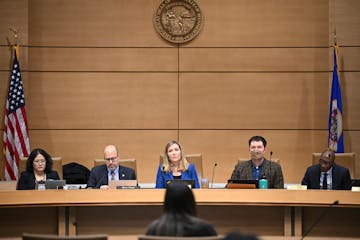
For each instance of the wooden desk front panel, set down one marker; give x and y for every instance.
(130, 220)
(128, 212)
(15, 221)
(340, 222)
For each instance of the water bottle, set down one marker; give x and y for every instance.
(41, 185)
(263, 183)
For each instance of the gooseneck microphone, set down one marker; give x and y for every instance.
(269, 178)
(212, 177)
(101, 180)
(336, 202)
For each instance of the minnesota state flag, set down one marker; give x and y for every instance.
(335, 138)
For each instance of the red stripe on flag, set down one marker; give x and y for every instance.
(19, 133)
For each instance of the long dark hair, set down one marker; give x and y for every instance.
(32, 156)
(179, 199)
(179, 212)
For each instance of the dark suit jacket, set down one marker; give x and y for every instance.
(340, 177)
(99, 175)
(27, 179)
(243, 171)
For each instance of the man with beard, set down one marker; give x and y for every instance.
(258, 167)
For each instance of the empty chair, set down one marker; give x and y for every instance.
(29, 236)
(8, 185)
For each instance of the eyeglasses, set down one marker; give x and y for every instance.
(111, 159)
(40, 161)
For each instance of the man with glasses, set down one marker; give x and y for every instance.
(100, 176)
(327, 175)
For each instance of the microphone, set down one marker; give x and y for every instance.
(101, 179)
(271, 153)
(336, 202)
(212, 177)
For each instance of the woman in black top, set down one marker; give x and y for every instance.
(179, 217)
(38, 168)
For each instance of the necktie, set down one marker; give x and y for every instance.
(112, 175)
(324, 185)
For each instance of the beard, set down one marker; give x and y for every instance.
(256, 155)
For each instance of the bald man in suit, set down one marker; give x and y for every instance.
(327, 175)
(111, 170)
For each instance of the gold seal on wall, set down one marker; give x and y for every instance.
(178, 21)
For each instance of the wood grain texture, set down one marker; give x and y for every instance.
(110, 23)
(14, 14)
(103, 101)
(103, 59)
(345, 19)
(263, 23)
(254, 59)
(253, 100)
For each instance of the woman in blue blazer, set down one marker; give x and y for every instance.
(175, 166)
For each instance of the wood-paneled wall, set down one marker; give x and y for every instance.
(97, 73)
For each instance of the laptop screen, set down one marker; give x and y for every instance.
(188, 182)
(55, 184)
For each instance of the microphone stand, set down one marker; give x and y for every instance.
(212, 178)
(336, 202)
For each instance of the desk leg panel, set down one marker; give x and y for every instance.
(116, 220)
(337, 221)
(259, 220)
(15, 221)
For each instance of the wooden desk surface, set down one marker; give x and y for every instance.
(250, 197)
(287, 212)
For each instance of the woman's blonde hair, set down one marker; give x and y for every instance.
(166, 164)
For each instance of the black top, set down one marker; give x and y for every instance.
(27, 179)
(182, 226)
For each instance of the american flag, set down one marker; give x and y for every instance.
(15, 139)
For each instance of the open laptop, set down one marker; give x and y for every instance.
(55, 184)
(189, 182)
(242, 183)
(122, 184)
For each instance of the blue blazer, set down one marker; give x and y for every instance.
(162, 176)
(99, 175)
(340, 177)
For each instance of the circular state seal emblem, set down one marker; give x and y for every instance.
(178, 21)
